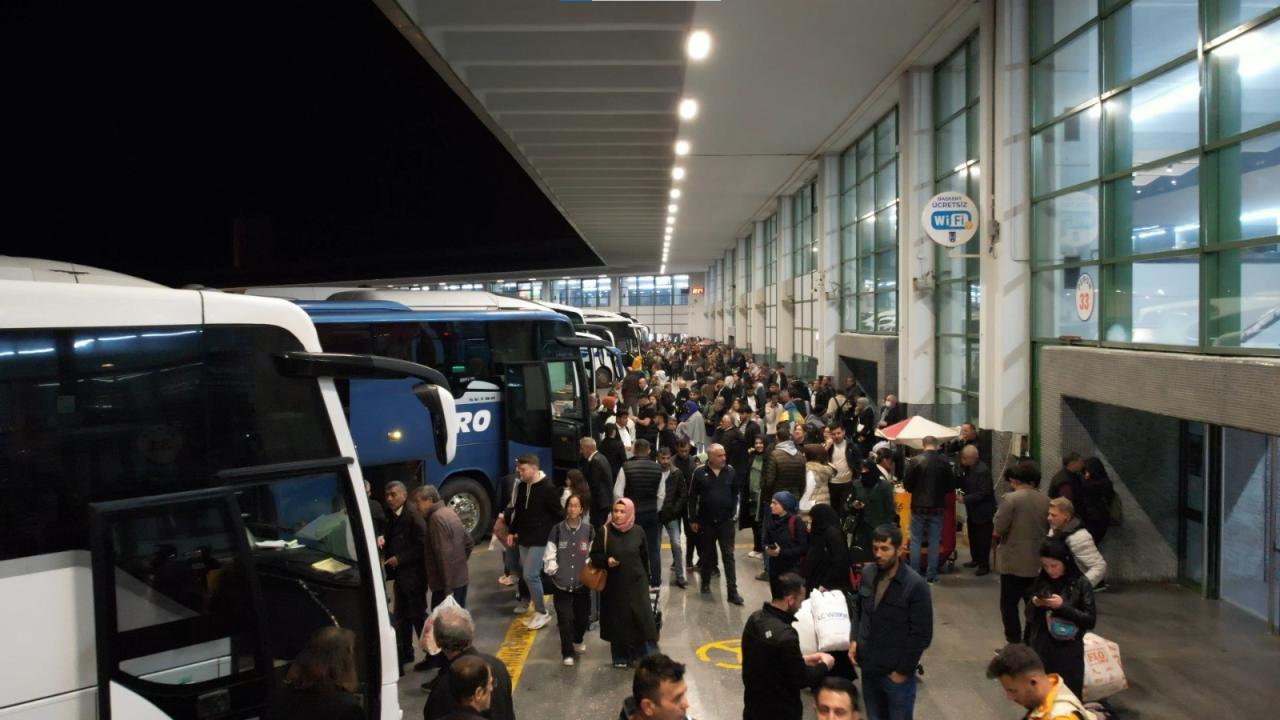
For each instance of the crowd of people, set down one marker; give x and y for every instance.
(699, 442)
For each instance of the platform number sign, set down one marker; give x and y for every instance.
(1084, 297)
(950, 219)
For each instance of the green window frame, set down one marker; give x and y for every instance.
(770, 355)
(869, 248)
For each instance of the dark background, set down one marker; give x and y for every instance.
(236, 143)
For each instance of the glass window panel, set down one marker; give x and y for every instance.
(866, 275)
(951, 307)
(848, 207)
(949, 86)
(866, 312)
(849, 313)
(1052, 21)
(971, 69)
(1227, 14)
(1156, 210)
(1065, 229)
(887, 139)
(1246, 83)
(952, 264)
(847, 248)
(1146, 34)
(866, 197)
(1154, 302)
(951, 407)
(951, 361)
(1066, 78)
(974, 298)
(886, 225)
(866, 235)
(1159, 118)
(973, 368)
(951, 146)
(1057, 314)
(866, 159)
(887, 312)
(848, 170)
(887, 184)
(1249, 189)
(886, 271)
(1246, 309)
(1066, 153)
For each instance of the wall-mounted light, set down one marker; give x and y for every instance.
(395, 436)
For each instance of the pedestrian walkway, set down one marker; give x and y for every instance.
(1186, 657)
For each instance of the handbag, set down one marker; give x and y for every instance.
(592, 577)
(1060, 629)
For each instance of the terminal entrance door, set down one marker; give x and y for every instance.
(1193, 474)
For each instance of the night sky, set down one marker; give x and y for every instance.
(234, 143)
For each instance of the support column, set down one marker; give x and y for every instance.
(786, 287)
(758, 316)
(916, 353)
(827, 311)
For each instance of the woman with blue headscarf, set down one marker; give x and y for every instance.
(786, 539)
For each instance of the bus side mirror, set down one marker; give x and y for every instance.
(444, 421)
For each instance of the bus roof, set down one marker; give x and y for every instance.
(574, 314)
(382, 311)
(58, 271)
(442, 299)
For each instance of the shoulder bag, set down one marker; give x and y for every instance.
(592, 577)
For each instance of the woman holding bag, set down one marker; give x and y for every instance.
(568, 547)
(1061, 612)
(626, 619)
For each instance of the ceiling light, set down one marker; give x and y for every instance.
(675, 193)
(699, 45)
(688, 108)
(677, 172)
(672, 208)
(662, 270)
(671, 220)
(682, 147)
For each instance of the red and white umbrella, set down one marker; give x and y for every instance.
(911, 431)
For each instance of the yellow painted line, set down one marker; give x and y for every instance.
(515, 647)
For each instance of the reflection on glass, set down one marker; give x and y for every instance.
(886, 223)
(1157, 209)
(866, 312)
(1246, 82)
(1146, 34)
(1066, 78)
(1057, 312)
(866, 274)
(1154, 302)
(1249, 189)
(866, 234)
(886, 271)
(848, 207)
(1065, 229)
(951, 361)
(887, 184)
(1159, 118)
(1052, 21)
(951, 407)
(951, 307)
(1224, 16)
(951, 146)
(887, 139)
(1066, 153)
(949, 86)
(866, 197)
(1246, 311)
(887, 312)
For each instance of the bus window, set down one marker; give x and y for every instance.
(352, 338)
(512, 341)
(458, 349)
(565, 396)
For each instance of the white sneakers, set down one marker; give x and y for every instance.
(567, 662)
(580, 648)
(754, 554)
(538, 620)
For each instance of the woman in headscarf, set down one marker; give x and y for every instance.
(826, 565)
(1060, 613)
(870, 504)
(786, 540)
(626, 619)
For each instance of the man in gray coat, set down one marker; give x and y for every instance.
(1020, 526)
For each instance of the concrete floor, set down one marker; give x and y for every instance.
(1185, 657)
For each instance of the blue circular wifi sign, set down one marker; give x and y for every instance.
(950, 219)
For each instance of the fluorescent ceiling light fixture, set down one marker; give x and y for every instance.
(671, 220)
(682, 147)
(675, 193)
(698, 46)
(672, 208)
(688, 108)
(677, 172)
(662, 270)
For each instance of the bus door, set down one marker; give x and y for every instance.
(181, 629)
(526, 402)
(568, 410)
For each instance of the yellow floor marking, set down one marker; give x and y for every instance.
(515, 647)
(725, 654)
(748, 546)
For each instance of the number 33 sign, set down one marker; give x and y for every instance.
(1084, 297)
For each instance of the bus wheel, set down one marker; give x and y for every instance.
(470, 501)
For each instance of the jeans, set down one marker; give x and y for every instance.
(713, 534)
(888, 700)
(673, 535)
(926, 524)
(572, 611)
(631, 653)
(531, 564)
(511, 566)
(1013, 590)
(653, 538)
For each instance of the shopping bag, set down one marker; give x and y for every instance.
(804, 628)
(830, 620)
(428, 639)
(1103, 673)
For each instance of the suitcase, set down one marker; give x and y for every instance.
(947, 553)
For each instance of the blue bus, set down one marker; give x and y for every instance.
(516, 371)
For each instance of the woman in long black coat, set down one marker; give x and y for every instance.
(1061, 611)
(626, 618)
(827, 563)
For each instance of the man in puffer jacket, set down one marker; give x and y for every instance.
(1064, 524)
(783, 467)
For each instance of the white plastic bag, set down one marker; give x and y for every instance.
(830, 620)
(1103, 673)
(428, 639)
(806, 500)
(804, 628)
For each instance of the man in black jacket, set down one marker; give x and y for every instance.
(774, 673)
(687, 463)
(534, 512)
(974, 479)
(406, 540)
(640, 480)
(865, 427)
(892, 617)
(673, 496)
(595, 467)
(928, 479)
(713, 505)
(455, 633)
(735, 447)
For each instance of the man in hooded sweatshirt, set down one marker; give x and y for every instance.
(535, 511)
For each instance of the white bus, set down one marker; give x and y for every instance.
(182, 508)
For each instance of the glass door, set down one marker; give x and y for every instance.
(1248, 472)
(1191, 504)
